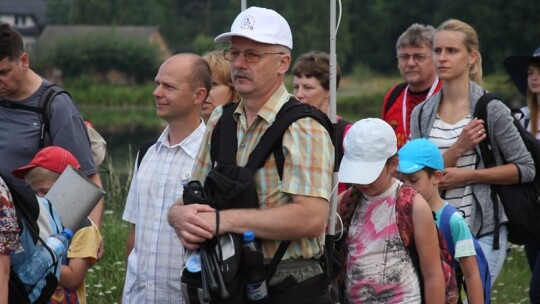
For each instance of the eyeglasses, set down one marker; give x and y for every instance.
(250, 56)
(418, 58)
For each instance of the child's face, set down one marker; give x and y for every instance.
(383, 182)
(422, 181)
(42, 186)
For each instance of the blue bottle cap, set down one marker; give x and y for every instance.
(249, 235)
(193, 263)
(68, 233)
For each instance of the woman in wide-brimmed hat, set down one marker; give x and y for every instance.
(525, 72)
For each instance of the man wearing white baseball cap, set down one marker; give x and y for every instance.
(293, 207)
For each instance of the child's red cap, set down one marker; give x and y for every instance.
(53, 158)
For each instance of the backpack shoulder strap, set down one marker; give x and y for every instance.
(393, 96)
(339, 129)
(488, 156)
(224, 144)
(26, 207)
(446, 230)
(45, 104)
(143, 149)
(223, 148)
(480, 111)
(272, 138)
(404, 197)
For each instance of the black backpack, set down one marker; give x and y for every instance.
(29, 214)
(228, 183)
(393, 96)
(521, 201)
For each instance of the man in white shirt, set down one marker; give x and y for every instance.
(155, 254)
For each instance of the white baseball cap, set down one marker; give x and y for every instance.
(261, 25)
(368, 144)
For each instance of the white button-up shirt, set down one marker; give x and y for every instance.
(154, 265)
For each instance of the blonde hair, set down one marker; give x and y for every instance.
(532, 103)
(471, 43)
(221, 69)
(38, 174)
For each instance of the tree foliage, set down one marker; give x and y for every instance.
(101, 54)
(366, 36)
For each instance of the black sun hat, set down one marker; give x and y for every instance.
(517, 65)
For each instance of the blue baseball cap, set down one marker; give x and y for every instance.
(418, 154)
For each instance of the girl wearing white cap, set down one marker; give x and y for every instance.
(378, 265)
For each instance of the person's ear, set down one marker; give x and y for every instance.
(437, 177)
(200, 95)
(284, 63)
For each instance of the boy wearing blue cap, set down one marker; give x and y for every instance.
(421, 165)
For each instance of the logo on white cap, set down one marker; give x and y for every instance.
(248, 23)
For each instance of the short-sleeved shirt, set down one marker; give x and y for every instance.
(155, 264)
(9, 228)
(309, 160)
(84, 245)
(67, 130)
(461, 234)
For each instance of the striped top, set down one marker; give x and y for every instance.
(307, 171)
(445, 135)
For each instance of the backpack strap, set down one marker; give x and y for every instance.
(45, 104)
(223, 148)
(488, 156)
(43, 109)
(393, 96)
(143, 149)
(446, 230)
(339, 132)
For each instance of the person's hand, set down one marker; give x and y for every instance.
(454, 177)
(100, 251)
(190, 224)
(471, 135)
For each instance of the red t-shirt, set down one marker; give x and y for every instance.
(394, 116)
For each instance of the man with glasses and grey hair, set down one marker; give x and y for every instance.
(294, 207)
(416, 66)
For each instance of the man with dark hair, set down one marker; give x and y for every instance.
(415, 64)
(155, 254)
(21, 90)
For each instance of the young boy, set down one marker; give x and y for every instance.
(421, 165)
(41, 173)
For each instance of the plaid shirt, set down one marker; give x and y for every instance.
(154, 265)
(309, 160)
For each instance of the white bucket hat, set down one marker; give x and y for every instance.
(261, 25)
(368, 144)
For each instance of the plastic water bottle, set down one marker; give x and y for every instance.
(253, 269)
(35, 267)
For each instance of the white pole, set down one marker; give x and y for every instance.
(243, 5)
(333, 116)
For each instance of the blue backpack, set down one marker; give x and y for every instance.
(37, 219)
(485, 276)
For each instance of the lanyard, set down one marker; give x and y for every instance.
(404, 106)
